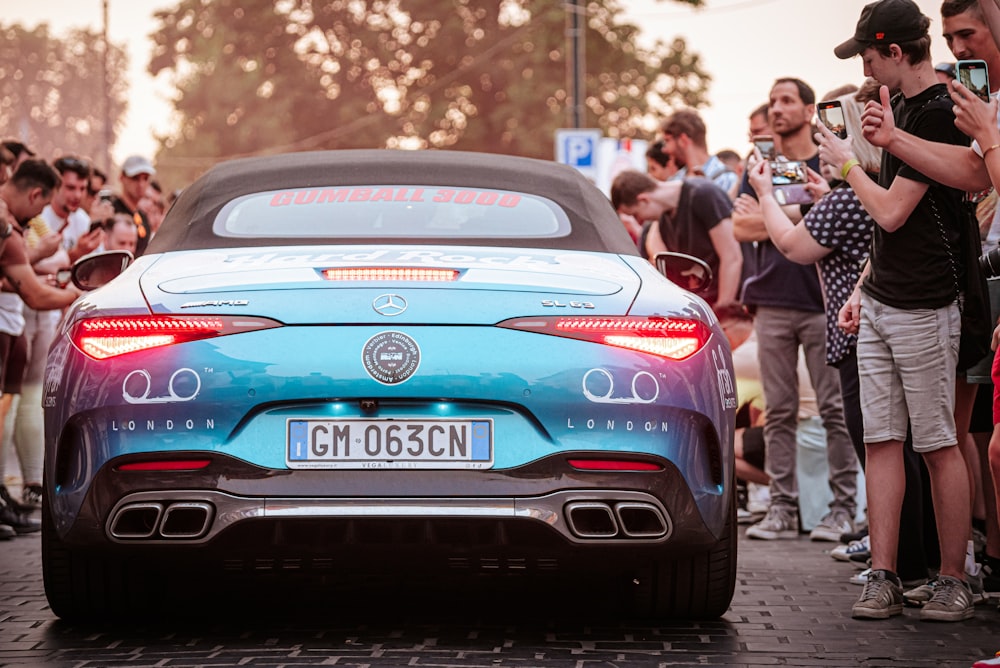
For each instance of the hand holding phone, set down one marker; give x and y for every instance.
(789, 178)
(765, 146)
(973, 75)
(831, 114)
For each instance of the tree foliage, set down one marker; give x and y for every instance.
(52, 95)
(256, 76)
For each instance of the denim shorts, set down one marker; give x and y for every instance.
(906, 368)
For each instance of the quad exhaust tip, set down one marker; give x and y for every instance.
(624, 519)
(179, 520)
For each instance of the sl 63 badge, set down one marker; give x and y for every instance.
(558, 304)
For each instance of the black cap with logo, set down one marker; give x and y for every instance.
(884, 22)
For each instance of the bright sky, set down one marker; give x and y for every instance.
(744, 44)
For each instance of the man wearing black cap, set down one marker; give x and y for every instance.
(906, 313)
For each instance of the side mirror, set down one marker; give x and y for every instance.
(687, 271)
(94, 271)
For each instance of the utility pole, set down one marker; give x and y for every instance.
(106, 89)
(576, 29)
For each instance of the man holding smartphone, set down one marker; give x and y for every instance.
(789, 315)
(905, 312)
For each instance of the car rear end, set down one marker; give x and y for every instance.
(354, 409)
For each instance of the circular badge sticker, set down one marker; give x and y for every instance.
(390, 357)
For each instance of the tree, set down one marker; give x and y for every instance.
(52, 95)
(256, 76)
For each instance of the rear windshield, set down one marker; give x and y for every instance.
(422, 212)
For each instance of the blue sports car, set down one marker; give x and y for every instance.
(349, 363)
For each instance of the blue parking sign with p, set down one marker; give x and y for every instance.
(577, 148)
(580, 151)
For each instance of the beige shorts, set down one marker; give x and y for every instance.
(906, 369)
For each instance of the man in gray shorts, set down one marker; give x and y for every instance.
(905, 310)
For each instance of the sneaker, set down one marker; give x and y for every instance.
(833, 524)
(950, 602)
(917, 596)
(6, 498)
(858, 547)
(861, 577)
(758, 498)
(7, 532)
(744, 516)
(779, 522)
(848, 538)
(31, 496)
(881, 599)
(986, 663)
(19, 521)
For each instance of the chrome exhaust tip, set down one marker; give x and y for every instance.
(188, 519)
(591, 519)
(640, 520)
(136, 520)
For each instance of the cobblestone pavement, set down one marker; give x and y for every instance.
(792, 608)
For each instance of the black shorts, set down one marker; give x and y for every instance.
(13, 362)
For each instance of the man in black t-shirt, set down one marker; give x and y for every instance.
(905, 310)
(689, 216)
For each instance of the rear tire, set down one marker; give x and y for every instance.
(82, 585)
(698, 587)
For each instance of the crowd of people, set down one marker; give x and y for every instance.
(52, 214)
(845, 312)
(855, 303)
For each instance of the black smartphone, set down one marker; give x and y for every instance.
(765, 146)
(831, 114)
(973, 75)
(95, 225)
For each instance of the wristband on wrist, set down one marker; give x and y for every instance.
(990, 149)
(852, 163)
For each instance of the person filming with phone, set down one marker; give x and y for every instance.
(905, 314)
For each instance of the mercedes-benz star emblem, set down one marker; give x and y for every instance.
(389, 305)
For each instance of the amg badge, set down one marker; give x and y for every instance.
(390, 357)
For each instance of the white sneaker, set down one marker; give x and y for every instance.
(861, 578)
(758, 498)
(844, 552)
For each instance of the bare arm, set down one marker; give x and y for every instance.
(35, 293)
(889, 208)
(792, 240)
(730, 261)
(949, 164)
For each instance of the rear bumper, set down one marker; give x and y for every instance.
(545, 510)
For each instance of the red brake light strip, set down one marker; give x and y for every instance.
(390, 274)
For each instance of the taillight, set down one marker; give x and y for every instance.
(612, 465)
(671, 338)
(166, 465)
(390, 274)
(106, 337)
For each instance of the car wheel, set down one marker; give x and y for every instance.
(82, 585)
(697, 587)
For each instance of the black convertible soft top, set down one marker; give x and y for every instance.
(595, 225)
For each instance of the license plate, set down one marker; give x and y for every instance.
(397, 444)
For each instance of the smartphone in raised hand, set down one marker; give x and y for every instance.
(831, 114)
(973, 75)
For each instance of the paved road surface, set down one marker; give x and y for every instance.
(792, 608)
